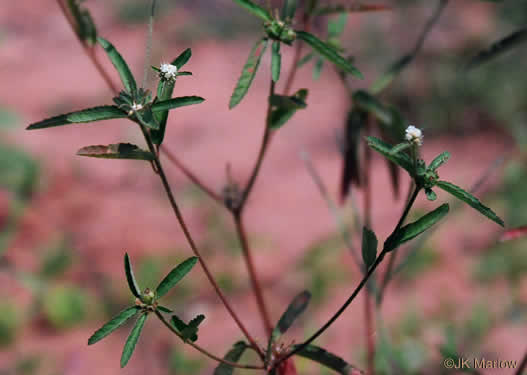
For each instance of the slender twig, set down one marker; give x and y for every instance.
(191, 242)
(522, 367)
(359, 287)
(204, 351)
(190, 175)
(255, 283)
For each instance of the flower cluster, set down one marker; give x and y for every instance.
(414, 135)
(168, 72)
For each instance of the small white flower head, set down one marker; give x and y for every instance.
(168, 72)
(134, 108)
(414, 135)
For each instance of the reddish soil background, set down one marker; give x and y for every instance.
(109, 207)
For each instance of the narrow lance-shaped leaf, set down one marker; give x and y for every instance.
(304, 60)
(336, 27)
(233, 355)
(147, 118)
(255, 9)
(176, 103)
(113, 324)
(369, 247)
(116, 151)
(385, 149)
(120, 65)
(414, 229)
(107, 112)
(249, 71)
(471, 200)
(175, 276)
(128, 270)
(327, 359)
(131, 342)
(294, 310)
(329, 53)
(439, 160)
(289, 9)
(350, 150)
(164, 92)
(182, 59)
(84, 25)
(499, 48)
(276, 61)
(393, 70)
(190, 332)
(164, 309)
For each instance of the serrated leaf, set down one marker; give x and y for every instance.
(412, 230)
(176, 103)
(255, 9)
(175, 276)
(113, 324)
(385, 149)
(107, 112)
(469, 199)
(130, 278)
(131, 342)
(116, 151)
(293, 311)
(190, 332)
(289, 9)
(120, 65)
(400, 147)
(146, 118)
(332, 9)
(350, 150)
(233, 355)
(498, 48)
(83, 22)
(182, 59)
(327, 359)
(329, 53)
(164, 309)
(249, 71)
(276, 61)
(283, 112)
(439, 160)
(369, 247)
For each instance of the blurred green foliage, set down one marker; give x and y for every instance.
(65, 306)
(10, 322)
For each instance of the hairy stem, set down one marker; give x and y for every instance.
(191, 242)
(204, 351)
(359, 287)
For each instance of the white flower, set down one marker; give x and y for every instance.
(168, 72)
(414, 135)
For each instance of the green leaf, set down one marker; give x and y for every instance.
(83, 22)
(276, 61)
(293, 311)
(304, 60)
(430, 195)
(469, 199)
(499, 48)
(146, 118)
(287, 108)
(439, 160)
(351, 172)
(255, 9)
(233, 355)
(176, 103)
(400, 147)
(182, 59)
(385, 149)
(113, 324)
(336, 27)
(116, 151)
(164, 92)
(128, 270)
(164, 309)
(369, 247)
(175, 276)
(327, 359)
(107, 112)
(120, 65)
(390, 119)
(329, 53)
(249, 71)
(131, 342)
(289, 9)
(190, 332)
(393, 71)
(414, 229)
(317, 69)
